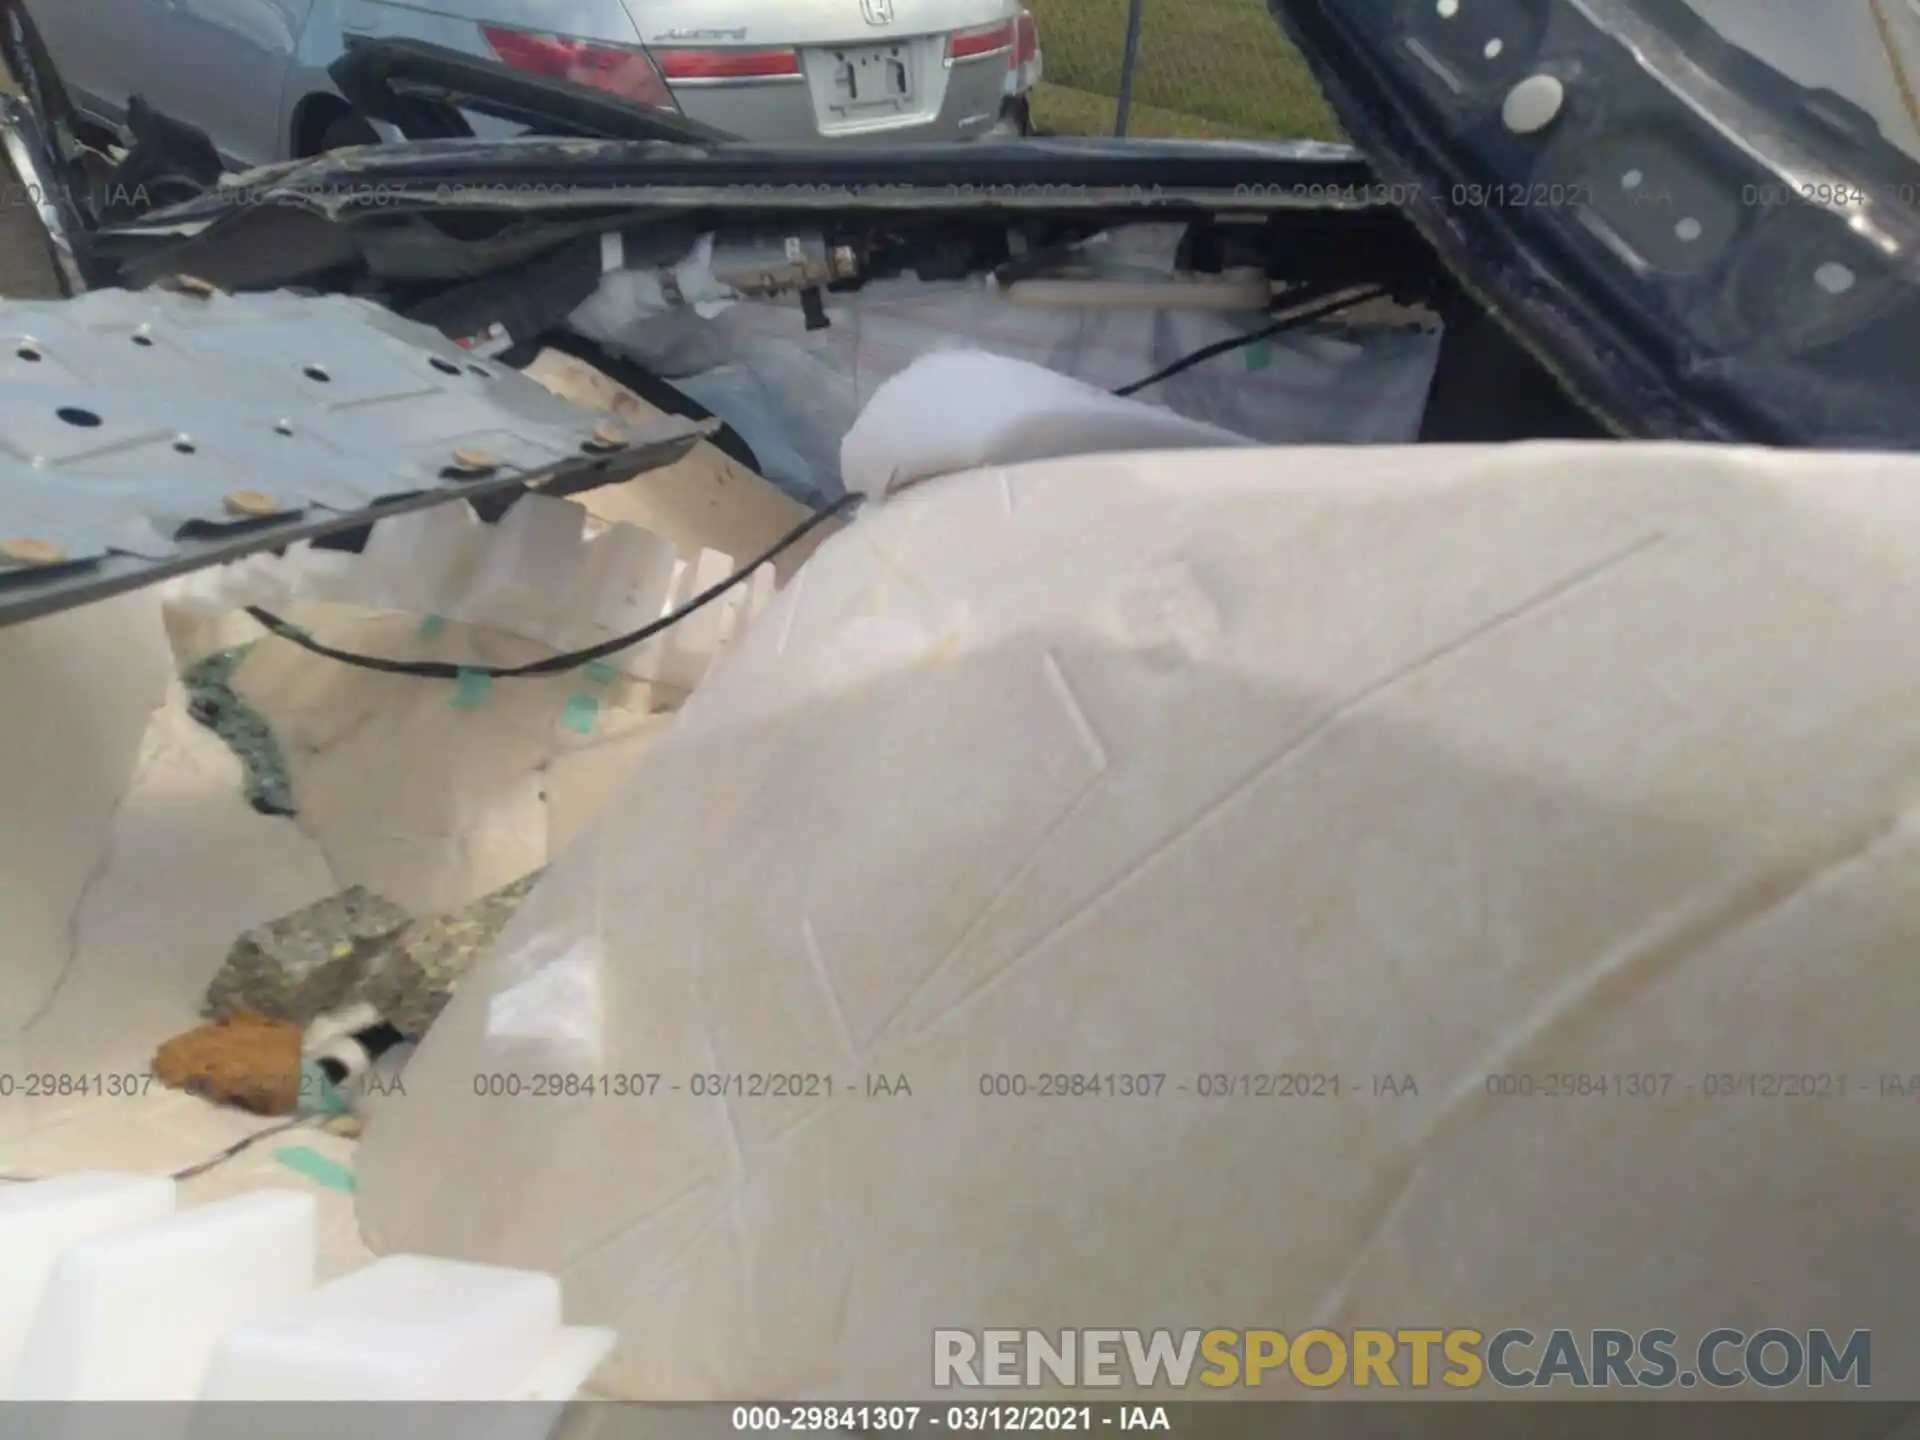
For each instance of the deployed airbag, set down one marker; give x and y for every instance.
(961, 409)
(793, 393)
(1419, 776)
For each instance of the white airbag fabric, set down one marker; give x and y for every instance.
(793, 393)
(1444, 764)
(963, 409)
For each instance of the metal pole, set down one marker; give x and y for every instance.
(1129, 57)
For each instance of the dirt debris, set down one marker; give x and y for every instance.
(245, 1060)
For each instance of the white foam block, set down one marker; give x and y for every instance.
(567, 1364)
(405, 1328)
(539, 1400)
(39, 1221)
(137, 1315)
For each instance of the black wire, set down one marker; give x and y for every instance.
(1308, 310)
(1301, 314)
(202, 1166)
(557, 664)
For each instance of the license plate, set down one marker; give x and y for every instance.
(872, 75)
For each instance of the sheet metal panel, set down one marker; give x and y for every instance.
(146, 434)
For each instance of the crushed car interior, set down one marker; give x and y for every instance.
(1421, 286)
(1425, 285)
(1047, 685)
(1435, 248)
(512, 238)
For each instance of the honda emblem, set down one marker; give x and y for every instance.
(877, 12)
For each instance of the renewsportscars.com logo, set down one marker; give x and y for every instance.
(1459, 1359)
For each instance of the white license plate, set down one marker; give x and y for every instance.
(872, 75)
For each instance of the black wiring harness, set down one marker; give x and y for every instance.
(1305, 310)
(574, 659)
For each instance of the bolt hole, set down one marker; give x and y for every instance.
(1493, 48)
(445, 367)
(1447, 9)
(143, 341)
(283, 428)
(185, 447)
(1834, 278)
(28, 352)
(314, 372)
(1689, 230)
(1632, 180)
(481, 371)
(74, 415)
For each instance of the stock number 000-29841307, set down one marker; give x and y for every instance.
(901, 1419)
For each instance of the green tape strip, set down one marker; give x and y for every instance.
(317, 1093)
(431, 627)
(1259, 355)
(599, 672)
(580, 714)
(471, 688)
(316, 1167)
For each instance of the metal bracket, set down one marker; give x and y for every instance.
(30, 153)
(147, 434)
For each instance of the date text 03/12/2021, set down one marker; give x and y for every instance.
(1126, 1086)
(968, 1419)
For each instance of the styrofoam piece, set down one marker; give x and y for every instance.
(421, 561)
(271, 580)
(536, 575)
(963, 409)
(566, 1365)
(620, 585)
(405, 1328)
(740, 605)
(760, 591)
(691, 647)
(138, 1314)
(594, 588)
(538, 1400)
(525, 572)
(528, 1408)
(649, 660)
(40, 1220)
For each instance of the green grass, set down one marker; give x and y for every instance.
(1208, 69)
(1059, 110)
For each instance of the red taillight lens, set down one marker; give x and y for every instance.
(972, 44)
(1026, 38)
(625, 71)
(728, 64)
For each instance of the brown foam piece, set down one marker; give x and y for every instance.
(244, 1060)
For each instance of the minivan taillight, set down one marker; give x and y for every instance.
(974, 44)
(623, 70)
(730, 64)
(1026, 38)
